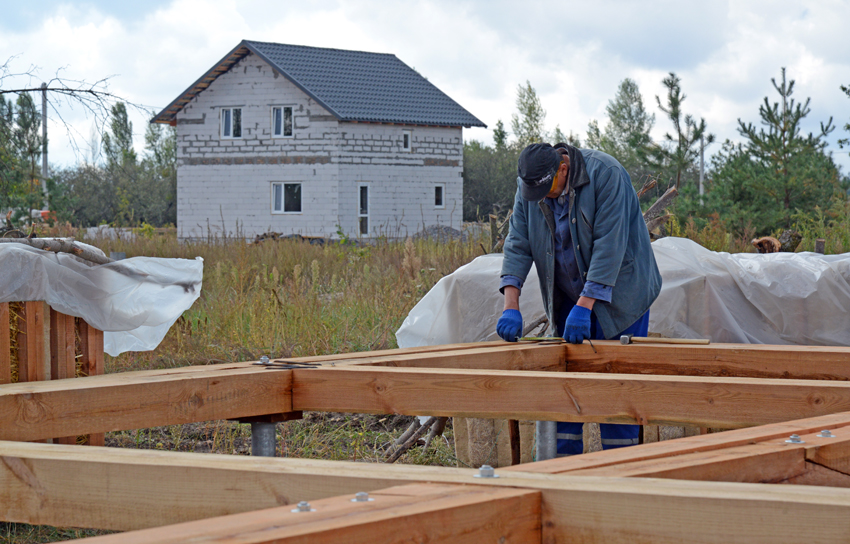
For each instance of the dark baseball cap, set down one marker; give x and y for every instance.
(536, 169)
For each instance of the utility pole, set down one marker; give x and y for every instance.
(701, 168)
(44, 172)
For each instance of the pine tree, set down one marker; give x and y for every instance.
(681, 152)
(778, 172)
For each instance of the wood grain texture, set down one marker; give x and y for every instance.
(34, 343)
(451, 514)
(128, 489)
(137, 400)
(720, 360)
(63, 362)
(553, 396)
(659, 451)
(5, 344)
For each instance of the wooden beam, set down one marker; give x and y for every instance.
(134, 400)
(111, 488)
(604, 398)
(450, 514)
(661, 451)
(91, 341)
(719, 360)
(5, 344)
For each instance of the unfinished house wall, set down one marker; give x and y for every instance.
(224, 185)
(401, 183)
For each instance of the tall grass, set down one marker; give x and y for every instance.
(289, 298)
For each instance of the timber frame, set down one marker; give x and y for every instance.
(705, 488)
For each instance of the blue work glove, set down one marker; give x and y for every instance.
(509, 326)
(578, 325)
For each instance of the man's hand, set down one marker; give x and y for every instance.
(577, 328)
(509, 326)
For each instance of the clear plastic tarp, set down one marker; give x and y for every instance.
(134, 301)
(777, 298)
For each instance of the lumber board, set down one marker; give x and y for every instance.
(554, 396)
(5, 344)
(657, 451)
(451, 514)
(63, 363)
(818, 475)
(91, 342)
(111, 488)
(134, 400)
(720, 360)
(34, 343)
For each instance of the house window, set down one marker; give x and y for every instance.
(286, 197)
(231, 122)
(406, 140)
(282, 122)
(363, 210)
(439, 196)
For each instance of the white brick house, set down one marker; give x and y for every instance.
(312, 141)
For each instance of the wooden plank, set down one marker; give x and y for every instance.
(411, 513)
(63, 362)
(91, 364)
(91, 340)
(684, 446)
(113, 488)
(553, 396)
(136, 400)
(34, 343)
(5, 344)
(818, 475)
(720, 360)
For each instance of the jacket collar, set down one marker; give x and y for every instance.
(578, 173)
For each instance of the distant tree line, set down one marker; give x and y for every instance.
(777, 176)
(114, 187)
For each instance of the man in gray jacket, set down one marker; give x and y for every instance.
(577, 218)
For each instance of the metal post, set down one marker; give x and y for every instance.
(546, 437)
(263, 439)
(701, 168)
(44, 171)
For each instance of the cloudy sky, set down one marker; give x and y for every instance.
(573, 53)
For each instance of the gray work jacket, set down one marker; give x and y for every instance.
(610, 239)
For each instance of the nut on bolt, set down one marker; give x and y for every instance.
(362, 496)
(486, 471)
(826, 434)
(303, 506)
(264, 360)
(794, 439)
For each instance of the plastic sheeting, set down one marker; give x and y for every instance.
(748, 298)
(465, 306)
(778, 298)
(134, 301)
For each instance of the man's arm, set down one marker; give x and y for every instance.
(511, 298)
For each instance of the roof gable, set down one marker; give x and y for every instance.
(352, 85)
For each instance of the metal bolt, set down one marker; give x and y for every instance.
(486, 471)
(303, 506)
(362, 496)
(264, 359)
(794, 439)
(826, 434)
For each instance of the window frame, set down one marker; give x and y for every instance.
(282, 185)
(230, 110)
(442, 187)
(360, 214)
(409, 135)
(283, 121)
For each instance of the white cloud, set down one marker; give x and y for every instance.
(477, 52)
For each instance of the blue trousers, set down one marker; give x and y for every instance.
(569, 438)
